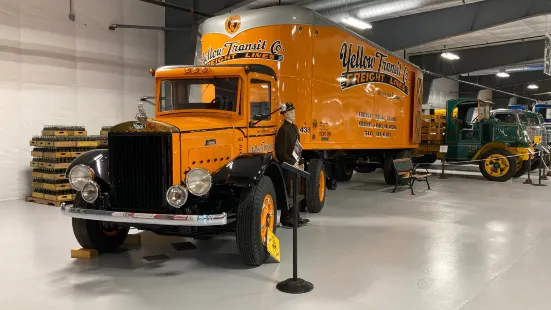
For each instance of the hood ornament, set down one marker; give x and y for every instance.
(141, 116)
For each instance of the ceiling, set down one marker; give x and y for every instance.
(527, 28)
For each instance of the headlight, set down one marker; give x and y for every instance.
(176, 196)
(90, 192)
(198, 181)
(79, 176)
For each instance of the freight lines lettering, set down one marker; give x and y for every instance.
(234, 50)
(360, 68)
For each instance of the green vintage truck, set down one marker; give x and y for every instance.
(470, 134)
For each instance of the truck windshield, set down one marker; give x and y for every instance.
(208, 93)
(523, 119)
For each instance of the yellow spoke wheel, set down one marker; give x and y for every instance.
(497, 165)
(322, 186)
(267, 218)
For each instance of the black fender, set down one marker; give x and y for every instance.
(98, 160)
(246, 170)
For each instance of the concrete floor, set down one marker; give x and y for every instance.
(467, 244)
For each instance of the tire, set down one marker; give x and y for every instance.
(315, 187)
(388, 166)
(342, 174)
(505, 169)
(252, 212)
(425, 159)
(522, 168)
(368, 168)
(92, 234)
(535, 163)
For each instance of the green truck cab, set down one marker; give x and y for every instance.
(501, 149)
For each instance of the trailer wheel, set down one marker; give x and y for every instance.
(522, 167)
(97, 235)
(315, 187)
(256, 214)
(342, 172)
(498, 165)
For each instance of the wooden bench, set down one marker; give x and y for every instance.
(406, 174)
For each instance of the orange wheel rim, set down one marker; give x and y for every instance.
(322, 186)
(267, 218)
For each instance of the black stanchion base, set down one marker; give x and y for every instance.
(528, 181)
(299, 286)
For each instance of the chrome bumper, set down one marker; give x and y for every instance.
(146, 218)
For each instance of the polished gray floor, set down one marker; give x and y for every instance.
(466, 244)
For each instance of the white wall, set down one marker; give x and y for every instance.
(441, 90)
(56, 71)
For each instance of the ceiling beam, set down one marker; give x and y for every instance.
(476, 59)
(413, 30)
(177, 7)
(235, 6)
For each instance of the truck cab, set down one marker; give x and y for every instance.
(203, 164)
(501, 148)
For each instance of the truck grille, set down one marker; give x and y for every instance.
(140, 170)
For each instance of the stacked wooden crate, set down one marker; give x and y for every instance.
(52, 154)
(102, 142)
(433, 129)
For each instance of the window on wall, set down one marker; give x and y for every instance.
(259, 95)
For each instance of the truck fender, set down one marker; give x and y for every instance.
(488, 146)
(246, 170)
(98, 161)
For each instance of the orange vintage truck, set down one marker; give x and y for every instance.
(205, 162)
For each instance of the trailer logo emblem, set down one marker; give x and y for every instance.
(233, 23)
(360, 68)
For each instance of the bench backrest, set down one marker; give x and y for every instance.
(403, 164)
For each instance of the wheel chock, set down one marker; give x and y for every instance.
(133, 239)
(84, 253)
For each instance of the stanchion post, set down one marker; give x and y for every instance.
(529, 180)
(442, 175)
(544, 173)
(540, 176)
(295, 285)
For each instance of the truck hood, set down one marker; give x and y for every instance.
(187, 124)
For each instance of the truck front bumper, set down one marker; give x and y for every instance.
(146, 218)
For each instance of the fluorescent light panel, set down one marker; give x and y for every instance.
(450, 56)
(533, 86)
(503, 74)
(356, 23)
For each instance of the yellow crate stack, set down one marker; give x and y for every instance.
(433, 129)
(52, 153)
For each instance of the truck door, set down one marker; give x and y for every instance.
(262, 124)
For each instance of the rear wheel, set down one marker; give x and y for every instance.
(101, 236)
(315, 186)
(342, 172)
(498, 165)
(522, 167)
(256, 214)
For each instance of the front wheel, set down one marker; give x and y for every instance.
(315, 186)
(256, 214)
(498, 165)
(101, 236)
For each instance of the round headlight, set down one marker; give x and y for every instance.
(90, 192)
(198, 181)
(176, 196)
(79, 176)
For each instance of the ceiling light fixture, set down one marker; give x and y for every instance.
(533, 86)
(356, 23)
(449, 56)
(502, 74)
